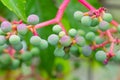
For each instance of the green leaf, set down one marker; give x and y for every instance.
(16, 6)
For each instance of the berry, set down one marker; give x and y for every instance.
(65, 41)
(103, 25)
(14, 39)
(57, 28)
(22, 29)
(107, 17)
(53, 39)
(43, 44)
(6, 26)
(33, 19)
(94, 29)
(15, 64)
(2, 40)
(100, 56)
(74, 50)
(95, 22)
(78, 15)
(5, 59)
(98, 39)
(86, 50)
(61, 33)
(72, 32)
(86, 20)
(18, 46)
(90, 36)
(59, 51)
(26, 56)
(35, 40)
(1, 32)
(80, 40)
(117, 56)
(81, 32)
(35, 51)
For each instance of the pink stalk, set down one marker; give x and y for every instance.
(114, 23)
(111, 48)
(109, 35)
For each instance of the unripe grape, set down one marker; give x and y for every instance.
(78, 15)
(35, 40)
(80, 40)
(95, 22)
(103, 25)
(94, 29)
(43, 44)
(86, 50)
(100, 56)
(86, 20)
(65, 41)
(72, 32)
(117, 55)
(1, 32)
(90, 36)
(61, 34)
(22, 29)
(74, 50)
(26, 56)
(33, 19)
(18, 46)
(107, 17)
(14, 39)
(15, 64)
(81, 32)
(57, 28)
(6, 26)
(98, 40)
(5, 59)
(35, 51)
(59, 51)
(53, 39)
(2, 40)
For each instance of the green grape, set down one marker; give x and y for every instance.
(103, 25)
(22, 29)
(1, 32)
(18, 46)
(86, 20)
(95, 22)
(5, 59)
(117, 56)
(72, 32)
(15, 64)
(2, 40)
(80, 41)
(56, 28)
(94, 29)
(90, 36)
(43, 44)
(74, 50)
(65, 41)
(59, 51)
(6, 26)
(14, 39)
(26, 56)
(33, 19)
(86, 50)
(81, 32)
(107, 17)
(3, 47)
(78, 15)
(118, 28)
(61, 34)
(35, 51)
(100, 56)
(53, 39)
(35, 40)
(98, 40)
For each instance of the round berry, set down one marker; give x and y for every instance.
(86, 50)
(18, 46)
(95, 22)
(6, 26)
(103, 25)
(1, 32)
(57, 28)
(22, 29)
(53, 39)
(98, 40)
(117, 56)
(90, 36)
(26, 56)
(61, 34)
(107, 17)
(35, 51)
(43, 44)
(78, 15)
(81, 32)
(15, 64)
(5, 59)
(14, 39)
(86, 20)
(35, 40)
(59, 51)
(72, 32)
(100, 56)
(2, 40)
(94, 29)
(33, 19)
(74, 50)
(80, 41)
(65, 41)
